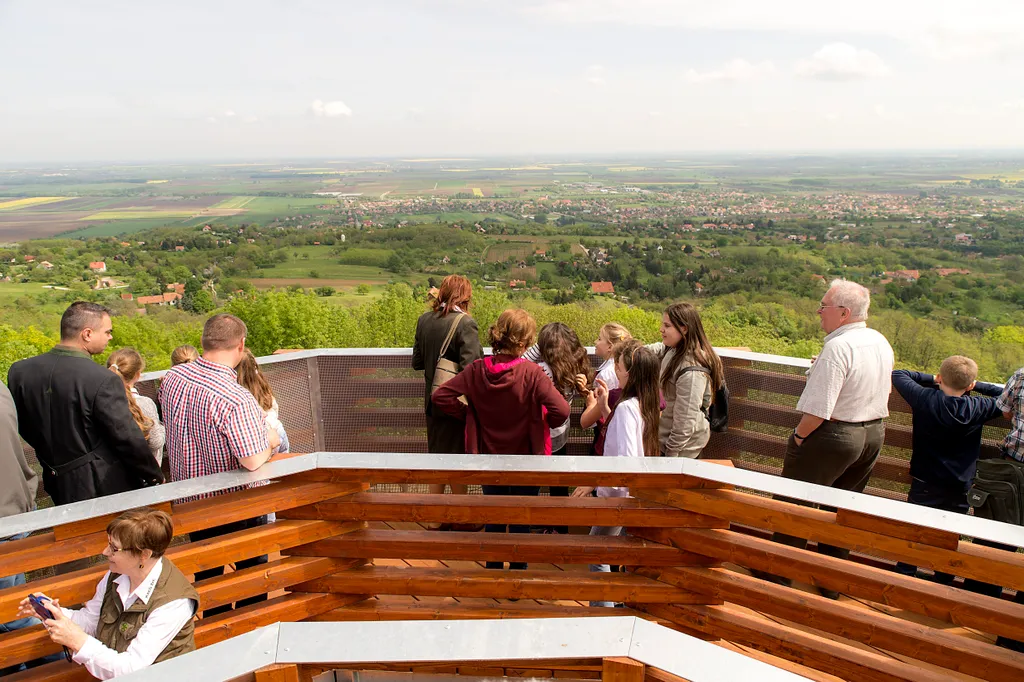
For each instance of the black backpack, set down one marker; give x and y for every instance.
(718, 414)
(998, 491)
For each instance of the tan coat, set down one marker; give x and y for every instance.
(684, 429)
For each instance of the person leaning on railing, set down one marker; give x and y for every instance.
(143, 609)
(511, 405)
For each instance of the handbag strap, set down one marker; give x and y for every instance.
(451, 335)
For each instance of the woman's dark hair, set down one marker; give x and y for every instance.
(561, 349)
(685, 318)
(513, 332)
(643, 366)
(455, 290)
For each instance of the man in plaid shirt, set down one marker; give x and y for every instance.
(215, 425)
(1011, 402)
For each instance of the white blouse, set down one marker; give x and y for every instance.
(625, 438)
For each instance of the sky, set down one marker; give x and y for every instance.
(110, 81)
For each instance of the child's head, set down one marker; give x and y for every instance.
(561, 349)
(513, 332)
(183, 355)
(251, 378)
(610, 336)
(637, 370)
(957, 375)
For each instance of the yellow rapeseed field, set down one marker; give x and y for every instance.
(15, 204)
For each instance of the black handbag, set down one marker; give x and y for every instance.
(998, 491)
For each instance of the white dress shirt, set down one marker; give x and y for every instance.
(153, 637)
(625, 438)
(606, 373)
(852, 377)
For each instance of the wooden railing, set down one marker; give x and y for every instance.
(339, 552)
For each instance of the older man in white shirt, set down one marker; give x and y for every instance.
(844, 402)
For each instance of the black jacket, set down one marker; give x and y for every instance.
(75, 414)
(431, 330)
(947, 430)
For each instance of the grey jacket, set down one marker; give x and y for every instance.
(684, 429)
(18, 482)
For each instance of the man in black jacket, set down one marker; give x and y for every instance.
(75, 414)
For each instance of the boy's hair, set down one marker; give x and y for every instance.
(958, 372)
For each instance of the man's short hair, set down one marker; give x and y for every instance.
(852, 296)
(958, 372)
(80, 315)
(223, 332)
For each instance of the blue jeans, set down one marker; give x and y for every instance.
(12, 581)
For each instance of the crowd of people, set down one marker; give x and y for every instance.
(94, 434)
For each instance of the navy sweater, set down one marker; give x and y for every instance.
(947, 430)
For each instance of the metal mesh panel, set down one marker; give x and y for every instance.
(291, 381)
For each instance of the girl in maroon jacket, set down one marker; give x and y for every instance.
(512, 404)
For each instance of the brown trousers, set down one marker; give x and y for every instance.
(839, 455)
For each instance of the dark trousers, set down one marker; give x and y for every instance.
(217, 531)
(936, 496)
(531, 490)
(838, 454)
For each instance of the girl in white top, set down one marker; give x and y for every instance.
(609, 338)
(633, 422)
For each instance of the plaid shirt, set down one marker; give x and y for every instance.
(1012, 400)
(211, 421)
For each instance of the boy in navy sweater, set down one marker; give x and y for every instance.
(947, 435)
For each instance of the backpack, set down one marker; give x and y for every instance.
(998, 491)
(718, 413)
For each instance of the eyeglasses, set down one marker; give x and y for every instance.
(823, 306)
(114, 550)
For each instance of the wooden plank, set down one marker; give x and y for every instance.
(988, 614)
(821, 653)
(41, 551)
(560, 549)
(899, 529)
(969, 561)
(78, 587)
(935, 646)
(650, 480)
(278, 672)
(264, 578)
(622, 669)
(652, 674)
(513, 509)
(529, 584)
(387, 608)
(96, 524)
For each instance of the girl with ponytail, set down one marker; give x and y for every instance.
(128, 364)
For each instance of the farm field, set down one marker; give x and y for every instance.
(14, 204)
(498, 253)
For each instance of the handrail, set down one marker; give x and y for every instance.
(891, 510)
(801, 363)
(531, 639)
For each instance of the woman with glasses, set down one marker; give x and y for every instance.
(143, 609)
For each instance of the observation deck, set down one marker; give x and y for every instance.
(360, 590)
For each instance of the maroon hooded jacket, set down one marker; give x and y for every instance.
(505, 397)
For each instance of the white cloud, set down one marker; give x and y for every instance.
(211, 119)
(842, 62)
(734, 71)
(1015, 105)
(228, 114)
(595, 75)
(329, 109)
(250, 119)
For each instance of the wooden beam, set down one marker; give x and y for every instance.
(943, 649)
(844, 660)
(44, 550)
(531, 584)
(513, 509)
(278, 672)
(97, 524)
(989, 614)
(899, 529)
(970, 561)
(658, 675)
(621, 669)
(268, 577)
(556, 549)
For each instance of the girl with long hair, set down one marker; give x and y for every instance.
(449, 313)
(128, 364)
(633, 420)
(564, 359)
(611, 336)
(252, 379)
(691, 372)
